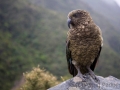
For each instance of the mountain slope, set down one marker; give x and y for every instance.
(108, 8)
(28, 37)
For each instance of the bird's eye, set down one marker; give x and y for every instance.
(75, 15)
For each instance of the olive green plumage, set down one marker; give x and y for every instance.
(85, 39)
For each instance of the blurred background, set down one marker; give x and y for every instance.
(33, 32)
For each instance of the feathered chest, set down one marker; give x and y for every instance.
(82, 33)
(84, 44)
(85, 35)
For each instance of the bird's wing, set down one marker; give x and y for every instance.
(71, 67)
(92, 67)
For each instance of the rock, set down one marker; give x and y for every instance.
(108, 83)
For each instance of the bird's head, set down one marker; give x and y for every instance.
(78, 17)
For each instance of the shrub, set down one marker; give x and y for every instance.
(38, 79)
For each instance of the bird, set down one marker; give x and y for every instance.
(83, 45)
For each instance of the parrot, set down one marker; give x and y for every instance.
(83, 45)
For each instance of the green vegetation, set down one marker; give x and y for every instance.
(38, 79)
(27, 39)
(32, 35)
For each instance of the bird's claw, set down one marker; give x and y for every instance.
(94, 77)
(81, 77)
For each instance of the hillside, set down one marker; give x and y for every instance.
(27, 39)
(35, 34)
(108, 8)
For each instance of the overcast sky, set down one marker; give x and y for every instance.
(118, 1)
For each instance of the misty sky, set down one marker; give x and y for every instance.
(118, 1)
(112, 1)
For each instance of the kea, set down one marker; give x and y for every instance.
(83, 45)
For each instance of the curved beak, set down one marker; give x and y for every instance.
(69, 22)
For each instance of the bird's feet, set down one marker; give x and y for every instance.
(81, 77)
(93, 75)
(79, 74)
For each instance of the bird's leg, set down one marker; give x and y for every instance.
(92, 74)
(79, 74)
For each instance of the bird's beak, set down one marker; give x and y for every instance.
(69, 22)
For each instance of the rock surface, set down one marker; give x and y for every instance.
(108, 83)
